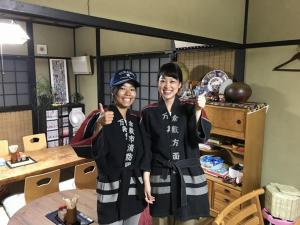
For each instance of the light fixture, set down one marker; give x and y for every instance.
(12, 33)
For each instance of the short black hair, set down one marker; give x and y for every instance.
(115, 89)
(170, 70)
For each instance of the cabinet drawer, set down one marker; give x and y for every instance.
(227, 121)
(227, 191)
(221, 201)
(219, 206)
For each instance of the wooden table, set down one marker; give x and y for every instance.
(34, 212)
(48, 159)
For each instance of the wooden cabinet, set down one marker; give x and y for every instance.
(247, 128)
(54, 122)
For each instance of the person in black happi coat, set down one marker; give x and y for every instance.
(118, 151)
(175, 186)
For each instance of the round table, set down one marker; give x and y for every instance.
(35, 212)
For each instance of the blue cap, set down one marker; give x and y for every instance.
(122, 77)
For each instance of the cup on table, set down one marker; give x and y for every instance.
(71, 216)
(13, 150)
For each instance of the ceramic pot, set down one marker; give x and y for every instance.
(237, 92)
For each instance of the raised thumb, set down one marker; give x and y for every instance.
(101, 108)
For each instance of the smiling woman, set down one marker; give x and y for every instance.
(118, 152)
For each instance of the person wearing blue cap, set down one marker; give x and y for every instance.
(118, 151)
(175, 185)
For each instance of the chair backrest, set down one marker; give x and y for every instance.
(4, 147)
(249, 214)
(34, 142)
(42, 184)
(85, 175)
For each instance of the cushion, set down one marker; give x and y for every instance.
(84, 138)
(4, 217)
(13, 203)
(67, 185)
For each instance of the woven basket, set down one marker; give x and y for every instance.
(282, 201)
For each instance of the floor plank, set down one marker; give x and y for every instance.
(207, 221)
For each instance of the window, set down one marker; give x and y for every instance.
(14, 83)
(145, 67)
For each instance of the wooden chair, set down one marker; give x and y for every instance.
(34, 142)
(4, 147)
(85, 175)
(249, 214)
(40, 185)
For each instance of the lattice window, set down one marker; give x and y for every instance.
(200, 62)
(14, 83)
(145, 67)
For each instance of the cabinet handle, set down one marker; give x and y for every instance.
(226, 191)
(226, 200)
(238, 121)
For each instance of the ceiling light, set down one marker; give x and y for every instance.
(12, 33)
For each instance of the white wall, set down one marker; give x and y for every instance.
(281, 91)
(111, 43)
(217, 19)
(276, 20)
(59, 41)
(87, 84)
(273, 20)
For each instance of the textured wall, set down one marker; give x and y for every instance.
(281, 91)
(273, 20)
(208, 18)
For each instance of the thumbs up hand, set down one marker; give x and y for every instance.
(201, 101)
(101, 108)
(106, 117)
(200, 104)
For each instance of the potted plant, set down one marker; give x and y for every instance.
(77, 97)
(44, 93)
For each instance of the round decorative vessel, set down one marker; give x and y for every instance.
(237, 92)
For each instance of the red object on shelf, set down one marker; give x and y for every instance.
(240, 149)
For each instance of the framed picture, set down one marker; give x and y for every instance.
(52, 114)
(52, 144)
(52, 125)
(59, 80)
(52, 135)
(41, 49)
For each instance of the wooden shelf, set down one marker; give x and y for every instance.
(230, 148)
(227, 147)
(235, 127)
(220, 181)
(209, 151)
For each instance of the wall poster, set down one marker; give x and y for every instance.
(59, 80)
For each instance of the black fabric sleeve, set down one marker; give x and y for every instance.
(146, 135)
(198, 132)
(203, 128)
(99, 151)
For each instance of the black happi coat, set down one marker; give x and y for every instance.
(172, 155)
(119, 150)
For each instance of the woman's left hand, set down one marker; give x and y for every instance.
(201, 101)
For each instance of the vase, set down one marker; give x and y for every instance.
(237, 92)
